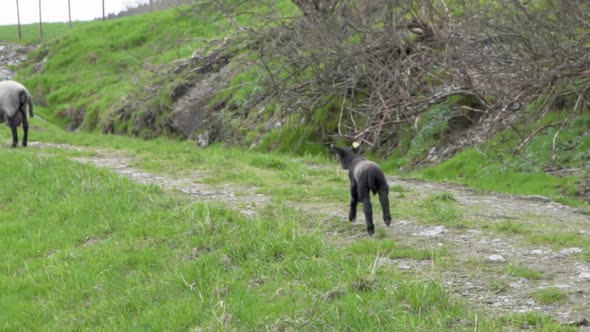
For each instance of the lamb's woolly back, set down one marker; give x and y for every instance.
(369, 173)
(13, 95)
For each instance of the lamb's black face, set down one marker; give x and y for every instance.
(346, 155)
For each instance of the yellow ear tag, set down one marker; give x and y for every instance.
(356, 144)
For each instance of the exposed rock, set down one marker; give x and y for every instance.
(538, 252)
(496, 258)
(570, 251)
(12, 55)
(437, 230)
(539, 198)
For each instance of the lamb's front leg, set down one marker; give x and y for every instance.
(354, 200)
(384, 199)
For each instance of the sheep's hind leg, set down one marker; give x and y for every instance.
(12, 124)
(25, 130)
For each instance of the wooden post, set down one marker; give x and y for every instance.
(20, 34)
(103, 10)
(69, 14)
(40, 21)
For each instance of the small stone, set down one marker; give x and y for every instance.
(496, 258)
(539, 198)
(537, 252)
(404, 267)
(437, 230)
(584, 275)
(569, 251)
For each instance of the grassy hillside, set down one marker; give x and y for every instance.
(87, 72)
(123, 76)
(555, 163)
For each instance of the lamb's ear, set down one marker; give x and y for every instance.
(356, 147)
(336, 150)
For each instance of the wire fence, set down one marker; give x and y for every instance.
(67, 11)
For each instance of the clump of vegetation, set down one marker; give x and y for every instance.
(550, 295)
(523, 272)
(440, 208)
(535, 320)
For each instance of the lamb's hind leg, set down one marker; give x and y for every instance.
(384, 200)
(368, 209)
(354, 199)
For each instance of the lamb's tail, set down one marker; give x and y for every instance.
(377, 181)
(26, 98)
(373, 179)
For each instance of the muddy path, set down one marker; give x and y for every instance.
(480, 261)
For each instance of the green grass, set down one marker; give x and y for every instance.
(83, 248)
(523, 272)
(561, 239)
(536, 321)
(494, 168)
(550, 295)
(31, 34)
(510, 227)
(468, 168)
(440, 208)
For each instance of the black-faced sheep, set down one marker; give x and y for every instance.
(16, 105)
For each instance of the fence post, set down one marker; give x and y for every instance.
(103, 10)
(69, 14)
(40, 21)
(20, 34)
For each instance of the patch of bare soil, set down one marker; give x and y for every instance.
(480, 258)
(483, 258)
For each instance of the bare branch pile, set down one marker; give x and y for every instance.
(381, 64)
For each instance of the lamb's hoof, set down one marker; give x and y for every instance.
(387, 223)
(371, 230)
